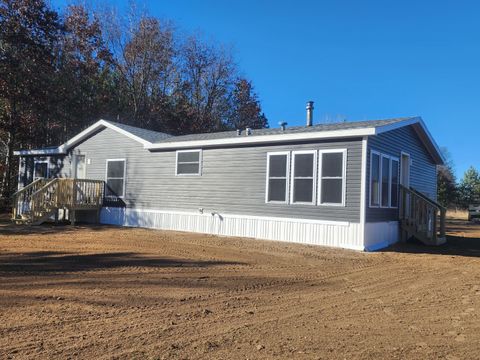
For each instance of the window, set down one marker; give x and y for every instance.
(332, 171)
(385, 181)
(303, 175)
(384, 178)
(394, 183)
(189, 162)
(40, 169)
(375, 179)
(115, 178)
(277, 177)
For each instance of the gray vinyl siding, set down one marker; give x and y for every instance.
(423, 171)
(233, 180)
(58, 166)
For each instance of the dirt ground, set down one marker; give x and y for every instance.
(104, 292)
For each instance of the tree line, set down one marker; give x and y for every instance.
(453, 194)
(60, 72)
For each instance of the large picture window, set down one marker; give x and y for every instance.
(277, 177)
(303, 177)
(189, 162)
(115, 178)
(332, 174)
(384, 179)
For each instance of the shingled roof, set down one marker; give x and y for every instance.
(153, 140)
(148, 135)
(347, 125)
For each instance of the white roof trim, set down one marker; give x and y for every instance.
(252, 139)
(52, 151)
(414, 121)
(100, 123)
(62, 149)
(240, 140)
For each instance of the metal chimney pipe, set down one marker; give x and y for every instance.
(309, 113)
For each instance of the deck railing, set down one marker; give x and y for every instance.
(421, 217)
(51, 195)
(22, 199)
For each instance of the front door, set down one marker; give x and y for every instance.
(80, 169)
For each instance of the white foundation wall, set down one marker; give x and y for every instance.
(315, 232)
(379, 235)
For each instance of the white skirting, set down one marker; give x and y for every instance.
(379, 235)
(316, 232)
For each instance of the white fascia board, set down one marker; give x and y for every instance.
(397, 125)
(414, 121)
(53, 151)
(432, 140)
(262, 139)
(62, 149)
(101, 123)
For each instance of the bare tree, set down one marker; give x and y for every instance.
(208, 78)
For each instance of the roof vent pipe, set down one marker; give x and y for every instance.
(248, 131)
(309, 113)
(283, 125)
(239, 132)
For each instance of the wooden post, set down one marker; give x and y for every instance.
(443, 213)
(15, 206)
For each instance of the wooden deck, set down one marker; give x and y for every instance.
(44, 198)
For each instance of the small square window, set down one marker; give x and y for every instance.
(189, 162)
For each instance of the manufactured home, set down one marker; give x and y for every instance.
(359, 185)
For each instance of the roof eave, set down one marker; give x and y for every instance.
(263, 139)
(426, 137)
(54, 151)
(99, 125)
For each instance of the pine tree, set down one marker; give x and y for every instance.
(446, 182)
(469, 188)
(246, 110)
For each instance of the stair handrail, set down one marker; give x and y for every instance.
(23, 192)
(25, 188)
(36, 194)
(436, 208)
(426, 198)
(45, 186)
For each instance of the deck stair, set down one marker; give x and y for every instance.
(421, 218)
(43, 199)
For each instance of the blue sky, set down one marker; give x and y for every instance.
(356, 59)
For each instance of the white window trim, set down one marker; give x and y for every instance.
(200, 162)
(344, 177)
(35, 162)
(380, 185)
(314, 178)
(124, 174)
(287, 178)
